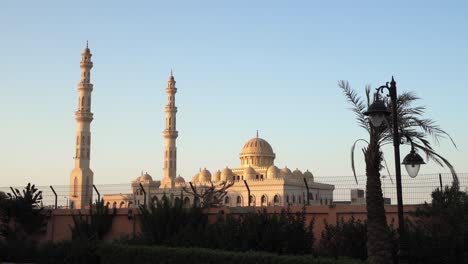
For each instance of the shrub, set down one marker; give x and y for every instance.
(78, 251)
(438, 232)
(115, 254)
(94, 227)
(346, 238)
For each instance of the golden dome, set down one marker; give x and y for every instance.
(144, 178)
(227, 175)
(205, 176)
(249, 173)
(217, 176)
(195, 178)
(272, 172)
(257, 152)
(179, 180)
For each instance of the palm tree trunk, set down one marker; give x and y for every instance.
(378, 238)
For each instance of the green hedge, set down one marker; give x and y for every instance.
(117, 253)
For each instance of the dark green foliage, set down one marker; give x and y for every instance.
(116, 254)
(346, 238)
(78, 251)
(439, 231)
(22, 219)
(170, 224)
(94, 226)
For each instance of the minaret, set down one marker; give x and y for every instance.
(170, 135)
(81, 178)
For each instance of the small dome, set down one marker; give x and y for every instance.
(297, 173)
(217, 176)
(179, 180)
(308, 175)
(285, 172)
(144, 178)
(272, 172)
(227, 175)
(249, 173)
(195, 178)
(205, 175)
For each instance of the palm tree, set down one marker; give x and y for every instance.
(422, 131)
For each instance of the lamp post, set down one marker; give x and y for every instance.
(377, 112)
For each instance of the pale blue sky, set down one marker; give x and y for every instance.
(239, 66)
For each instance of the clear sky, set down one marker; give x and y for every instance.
(239, 66)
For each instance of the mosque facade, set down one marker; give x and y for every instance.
(257, 181)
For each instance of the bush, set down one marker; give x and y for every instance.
(170, 224)
(115, 254)
(438, 232)
(78, 251)
(347, 238)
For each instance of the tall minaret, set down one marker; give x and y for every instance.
(170, 135)
(81, 178)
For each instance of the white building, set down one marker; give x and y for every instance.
(268, 185)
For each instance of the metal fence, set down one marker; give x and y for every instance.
(415, 190)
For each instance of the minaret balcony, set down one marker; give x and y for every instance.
(85, 86)
(170, 133)
(86, 64)
(83, 116)
(171, 90)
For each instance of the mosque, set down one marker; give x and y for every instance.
(256, 182)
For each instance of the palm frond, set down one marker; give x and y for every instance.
(358, 106)
(441, 161)
(352, 157)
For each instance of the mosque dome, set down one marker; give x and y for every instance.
(272, 172)
(217, 176)
(195, 178)
(297, 173)
(285, 172)
(205, 176)
(144, 178)
(257, 152)
(227, 175)
(249, 173)
(179, 180)
(308, 175)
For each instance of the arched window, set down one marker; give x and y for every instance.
(122, 203)
(108, 204)
(263, 200)
(239, 201)
(276, 200)
(252, 200)
(287, 198)
(177, 201)
(226, 200)
(293, 199)
(82, 102)
(130, 204)
(299, 198)
(187, 202)
(114, 205)
(89, 102)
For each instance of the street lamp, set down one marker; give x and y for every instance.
(377, 112)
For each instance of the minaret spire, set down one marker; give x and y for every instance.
(81, 178)
(170, 135)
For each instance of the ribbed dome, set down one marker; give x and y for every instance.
(217, 176)
(257, 152)
(144, 178)
(249, 173)
(227, 175)
(205, 176)
(307, 174)
(272, 172)
(297, 173)
(285, 172)
(179, 180)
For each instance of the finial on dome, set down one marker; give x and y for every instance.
(171, 73)
(86, 43)
(257, 133)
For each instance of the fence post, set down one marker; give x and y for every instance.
(248, 192)
(144, 194)
(307, 187)
(98, 194)
(52, 188)
(440, 181)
